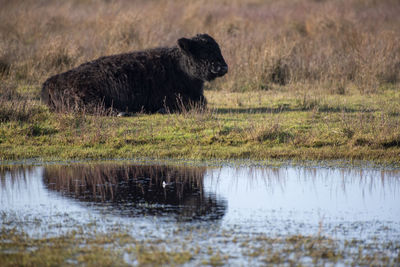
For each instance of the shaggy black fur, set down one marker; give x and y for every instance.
(151, 80)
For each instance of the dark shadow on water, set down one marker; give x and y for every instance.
(138, 190)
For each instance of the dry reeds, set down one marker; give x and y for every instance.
(265, 43)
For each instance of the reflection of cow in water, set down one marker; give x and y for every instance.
(137, 189)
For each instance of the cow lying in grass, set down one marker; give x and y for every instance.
(154, 80)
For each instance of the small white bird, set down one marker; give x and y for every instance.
(164, 184)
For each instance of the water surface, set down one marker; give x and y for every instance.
(153, 201)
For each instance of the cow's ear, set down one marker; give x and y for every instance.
(186, 45)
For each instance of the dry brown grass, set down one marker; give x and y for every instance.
(265, 43)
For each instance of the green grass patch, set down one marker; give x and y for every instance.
(352, 127)
(119, 248)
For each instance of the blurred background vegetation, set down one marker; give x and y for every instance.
(267, 43)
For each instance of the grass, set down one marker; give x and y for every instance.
(121, 249)
(307, 79)
(250, 125)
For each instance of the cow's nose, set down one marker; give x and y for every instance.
(224, 69)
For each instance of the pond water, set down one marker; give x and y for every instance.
(153, 201)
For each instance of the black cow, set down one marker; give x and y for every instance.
(160, 79)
